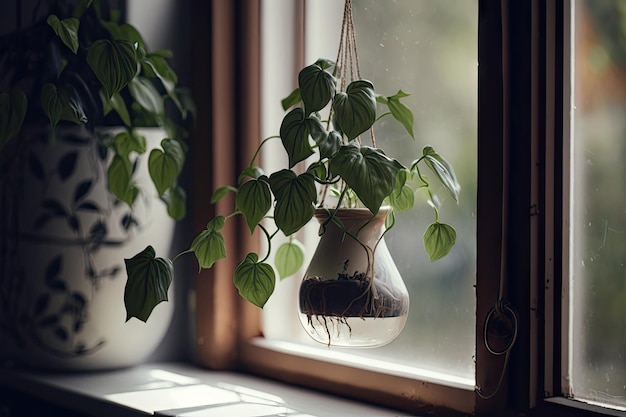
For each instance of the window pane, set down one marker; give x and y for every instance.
(598, 208)
(428, 49)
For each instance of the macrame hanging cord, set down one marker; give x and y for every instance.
(348, 68)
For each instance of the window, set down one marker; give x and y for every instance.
(597, 339)
(526, 261)
(403, 47)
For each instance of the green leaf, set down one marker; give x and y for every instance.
(209, 246)
(443, 170)
(328, 144)
(294, 133)
(146, 94)
(114, 63)
(221, 193)
(176, 202)
(254, 200)
(72, 110)
(317, 87)
(250, 172)
(165, 165)
(12, 112)
(119, 178)
(118, 104)
(127, 142)
(289, 258)
(355, 110)
(149, 279)
(158, 67)
(295, 199)
(52, 103)
(318, 170)
(401, 112)
(255, 280)
(368, 171)
(291, 100)
(438, 240)
(403, 197)
(67, 30)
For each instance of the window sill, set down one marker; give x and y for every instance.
(177, 389)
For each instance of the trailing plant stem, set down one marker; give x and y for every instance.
(258, 150)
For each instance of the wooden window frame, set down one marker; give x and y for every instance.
(521, 81)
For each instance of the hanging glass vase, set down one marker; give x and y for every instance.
(352, 294)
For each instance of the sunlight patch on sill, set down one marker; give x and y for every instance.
(339, 357)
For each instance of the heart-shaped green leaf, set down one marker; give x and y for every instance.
(119, 179)
(329, 144)
(66, 29)
(52, 103)
(157, 66)
(401, 112)
(149, 279)
(127, 142)
(255, 280)
(443, 170)
(118, 104)
(209, 246)
(403, 197)
(146, 94)
(221, 193)
(113, 62)
(295, 199)
(251, 172)
(12, 112)
(355, 110)
(317, 87)
(165, 165)
(176, 202)
(289, 258)
(368, 171)
(254, 200)
(294, 133)
(439, 238)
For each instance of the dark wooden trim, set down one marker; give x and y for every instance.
(225, 78)
(489, 201)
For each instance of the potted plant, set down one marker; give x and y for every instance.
(339, 173)
(91, 138)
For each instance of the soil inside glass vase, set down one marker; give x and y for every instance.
(349, 296)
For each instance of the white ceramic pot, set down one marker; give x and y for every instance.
(63, 281)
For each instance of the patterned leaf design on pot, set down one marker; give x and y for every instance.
(54, 207)
(61, 333)
(53, 272)
(41, 304)
(81, 190)
(128, 221)
(49, 320)
(67, 165)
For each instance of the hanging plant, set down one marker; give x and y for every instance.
(335, 169)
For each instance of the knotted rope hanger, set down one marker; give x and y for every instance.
(347, 62)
